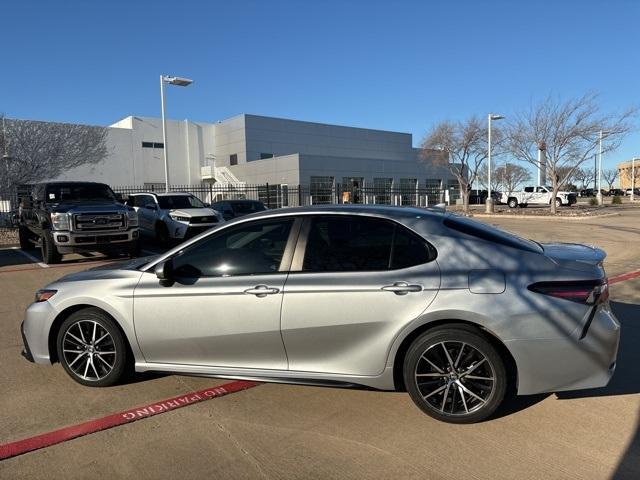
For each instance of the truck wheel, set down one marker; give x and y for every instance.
(49, 251)
(162, 234)
(558, 202)
(134, 249)
(25, 238)
(513, 203)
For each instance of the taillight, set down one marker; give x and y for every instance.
(590, 292)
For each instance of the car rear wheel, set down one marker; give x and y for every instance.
(558, 202)
(455, 375)
(513, 203)
(24, 235)
(92, 349)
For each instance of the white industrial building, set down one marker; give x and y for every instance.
(252, 149)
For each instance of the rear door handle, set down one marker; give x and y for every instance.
(261, 291)
(402, 288)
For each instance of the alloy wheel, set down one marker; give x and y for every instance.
(455, 378)
(89, 350)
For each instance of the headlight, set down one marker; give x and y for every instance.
(132, 215)
(44, 295)
(60, 221)
(178, 218)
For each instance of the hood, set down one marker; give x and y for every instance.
(124, 269)
(88, 207)
(194, 212)
(574, 252)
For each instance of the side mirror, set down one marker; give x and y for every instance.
(151, 206)
(119, 198)
(164, 272)
(208, 205)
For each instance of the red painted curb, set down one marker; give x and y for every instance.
(624, 276)
(13, 449)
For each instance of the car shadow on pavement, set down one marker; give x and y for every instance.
(626, 380)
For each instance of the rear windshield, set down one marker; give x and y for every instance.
(247, 207)
(490, 233)
(179, 201)
(61, 192)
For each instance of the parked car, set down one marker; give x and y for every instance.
(477, 197)
(67, 217)
(172, 216)
(344, 295)
(237, 208)
(636, 191)
(538, 195)
(616, 192)
(587, 192)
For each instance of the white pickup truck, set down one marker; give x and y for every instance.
(538, 195)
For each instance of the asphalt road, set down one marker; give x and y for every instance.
(282, 431)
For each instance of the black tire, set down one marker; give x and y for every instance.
(512, 202)
(162, 234)
(442, 395)
(91, 368)
(24, 235)
(524, 205)
(134, 249)
(558, 203)
(50, 254)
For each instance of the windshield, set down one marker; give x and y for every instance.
(171, 202)
(247, 207)
(63, 192)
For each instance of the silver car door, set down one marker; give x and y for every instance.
(344, 305)
(224, 307)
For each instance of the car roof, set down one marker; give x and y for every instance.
(164, 194)
(390, 211)
(239, 200)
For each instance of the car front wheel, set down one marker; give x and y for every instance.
(92, 349)
(513, 203)
(455, 375)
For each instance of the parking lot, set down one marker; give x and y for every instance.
(285, 431)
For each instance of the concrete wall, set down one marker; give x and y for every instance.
(278, 170)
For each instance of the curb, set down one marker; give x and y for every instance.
(547, 217)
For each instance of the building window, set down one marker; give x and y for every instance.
(264, 156)
(233, 159)
(152, 145)
(382, 190)
(433, 187)
(321, 190)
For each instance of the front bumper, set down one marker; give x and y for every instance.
(571, 363)
(35, 332)
(67, 242)
(184, 231)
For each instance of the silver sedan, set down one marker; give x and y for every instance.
(452, 310)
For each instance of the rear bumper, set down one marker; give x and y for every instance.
(559, 364)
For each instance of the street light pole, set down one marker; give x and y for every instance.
(599, 194)
(489, 201)
(181, 82)
(633, 178)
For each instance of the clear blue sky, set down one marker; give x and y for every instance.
(388, 65)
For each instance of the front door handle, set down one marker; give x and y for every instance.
(402, 288)
(261, 291)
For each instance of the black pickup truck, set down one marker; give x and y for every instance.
(67, 217)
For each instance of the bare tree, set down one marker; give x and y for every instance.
(585, 176)
(570, 132)
(610, 176)
(496, 177)
(462, 147)
(41, 150)
(512, 175)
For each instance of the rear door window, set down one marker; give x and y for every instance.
(350, 244)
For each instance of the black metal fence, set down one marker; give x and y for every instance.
(273, 196)
(277, 196)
